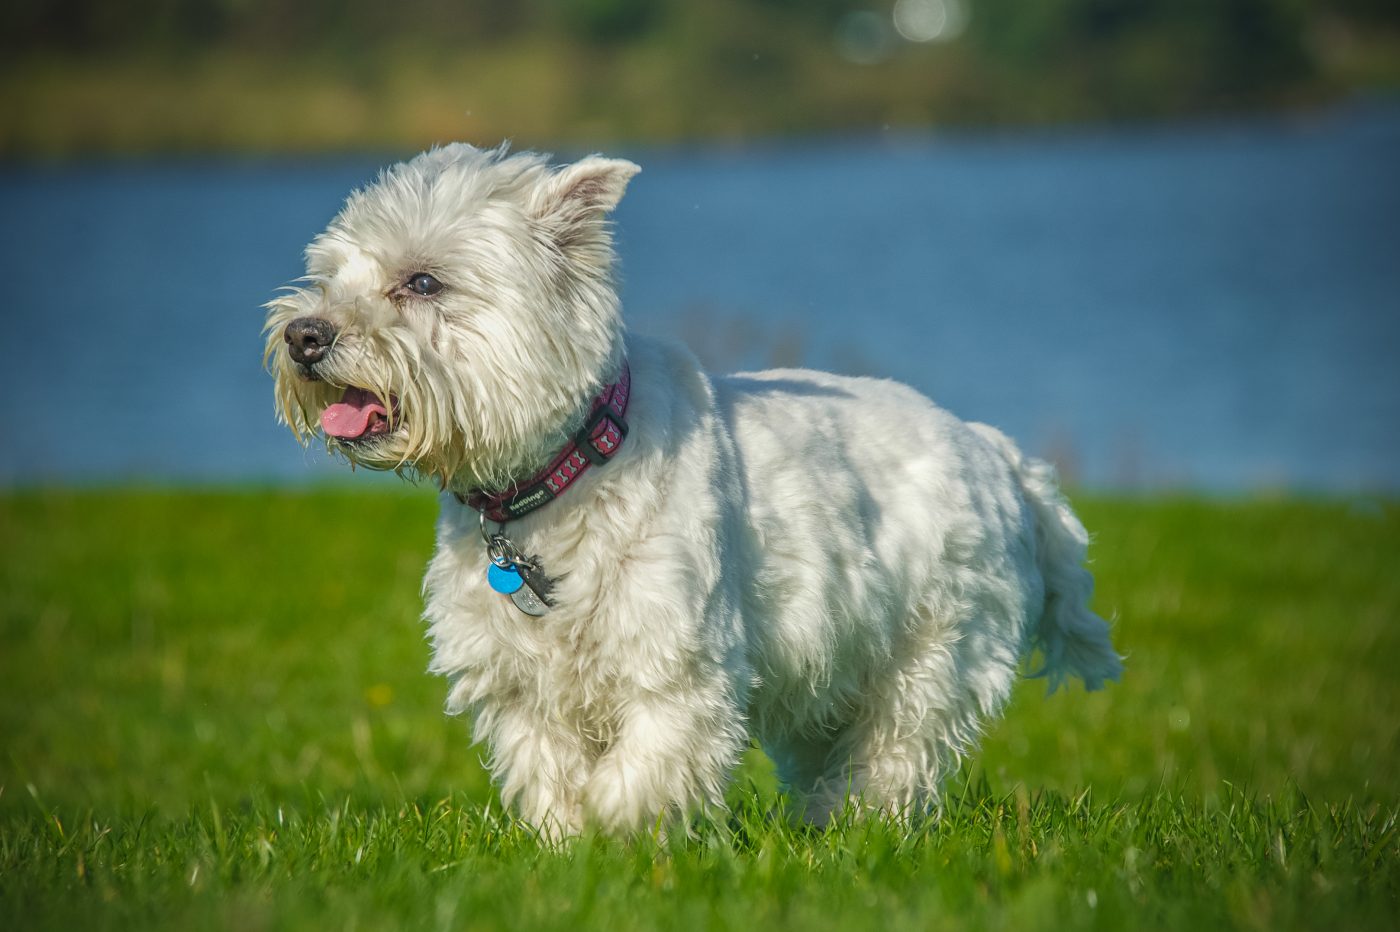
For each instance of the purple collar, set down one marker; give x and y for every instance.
(596, 442)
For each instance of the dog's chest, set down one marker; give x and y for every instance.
(565, 659)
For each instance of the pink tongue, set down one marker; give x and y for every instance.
(350, 417)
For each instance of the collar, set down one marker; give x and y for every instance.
(596, 442)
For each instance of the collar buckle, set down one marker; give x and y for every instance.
(596, 442)
(601, 435)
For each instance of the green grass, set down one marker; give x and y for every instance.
(213, 714)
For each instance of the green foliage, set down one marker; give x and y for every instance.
(214, 715)
(1137, 56)
(149, 75)
(608, 20)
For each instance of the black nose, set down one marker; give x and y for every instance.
(308, 338)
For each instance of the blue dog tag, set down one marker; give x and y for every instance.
(504, 579)
(518, 577)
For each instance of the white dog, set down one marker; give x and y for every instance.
(639, 565)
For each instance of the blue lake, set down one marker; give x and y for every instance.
(1209, 306)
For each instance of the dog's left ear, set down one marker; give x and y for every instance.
(587, 189)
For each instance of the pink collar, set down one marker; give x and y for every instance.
(596, 442)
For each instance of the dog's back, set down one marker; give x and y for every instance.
(901, 563)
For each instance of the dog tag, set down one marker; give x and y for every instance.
(527, 587)
(504, 579)
(519, 577)
(528, 602)
(532, 597)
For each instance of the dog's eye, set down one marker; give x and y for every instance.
(424, 284)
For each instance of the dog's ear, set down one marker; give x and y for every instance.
(587, 189)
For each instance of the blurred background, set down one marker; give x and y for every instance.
(1155, 240)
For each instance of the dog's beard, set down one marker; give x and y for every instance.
(462, 424)
(351, 381)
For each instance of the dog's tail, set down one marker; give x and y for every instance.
(1071, 639)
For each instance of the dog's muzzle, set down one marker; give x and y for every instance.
(308, 339)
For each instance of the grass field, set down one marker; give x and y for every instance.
(213, 714)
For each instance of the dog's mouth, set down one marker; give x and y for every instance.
(359, 415)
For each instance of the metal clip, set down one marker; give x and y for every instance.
(531, 594)
(499, 548)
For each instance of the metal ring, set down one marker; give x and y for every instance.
(486, 535)
(498, 551)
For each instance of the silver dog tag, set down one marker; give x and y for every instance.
(529, 602)
(533, 597)
(515, 576)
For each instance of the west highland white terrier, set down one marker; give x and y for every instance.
(640, 565)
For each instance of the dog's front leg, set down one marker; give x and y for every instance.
(673, 751)
(539, 765)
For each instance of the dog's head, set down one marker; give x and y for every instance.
(456, 316)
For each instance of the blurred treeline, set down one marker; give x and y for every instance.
(149, 75)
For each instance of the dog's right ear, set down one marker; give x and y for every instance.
(594, 184)
(574, 199)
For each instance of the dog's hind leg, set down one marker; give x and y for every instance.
(878, 767)
(916, 721)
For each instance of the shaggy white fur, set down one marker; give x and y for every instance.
(832, 565)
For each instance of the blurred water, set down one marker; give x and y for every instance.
(1211, 306)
